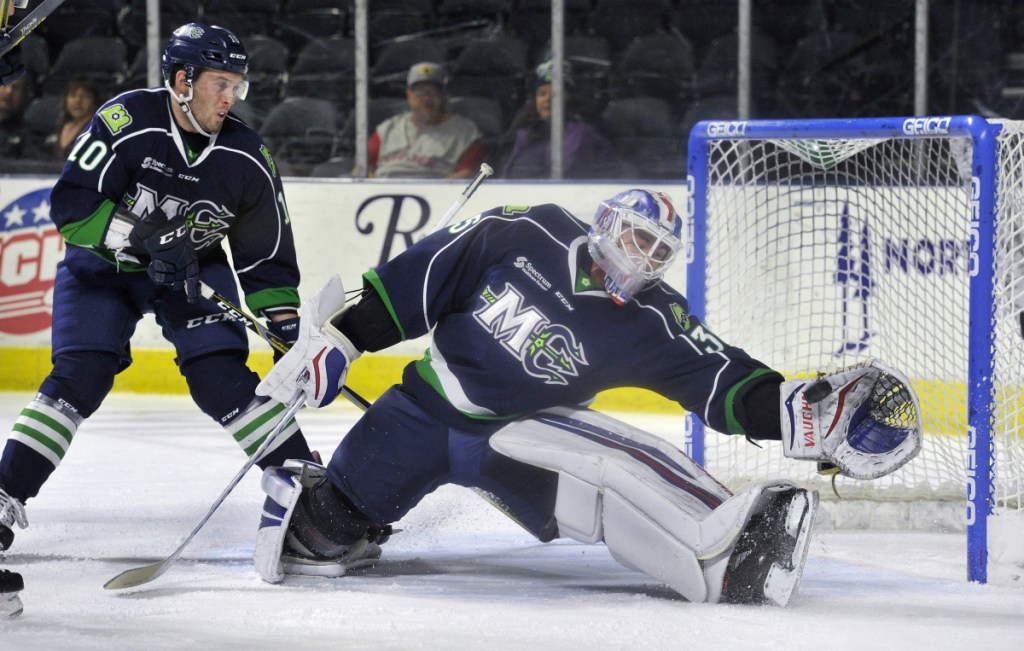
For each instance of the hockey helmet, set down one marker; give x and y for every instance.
(635, 238)
(196, 46)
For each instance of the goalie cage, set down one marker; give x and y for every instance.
(816, 244)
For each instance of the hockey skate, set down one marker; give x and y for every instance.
(11, 584)
(11, 511)
(768, 559)
(291, 538)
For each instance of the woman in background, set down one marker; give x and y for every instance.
(81, 99)
(585, 154)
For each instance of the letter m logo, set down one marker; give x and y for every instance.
(507, 321)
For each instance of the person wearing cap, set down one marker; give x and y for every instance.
(586, 152)
(427, 141)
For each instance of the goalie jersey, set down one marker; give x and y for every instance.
(133, 155)
(508, 294)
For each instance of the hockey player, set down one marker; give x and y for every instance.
(155, 183)
(531, 314)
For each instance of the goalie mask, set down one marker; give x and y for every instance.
(634, 238)
(194, 47)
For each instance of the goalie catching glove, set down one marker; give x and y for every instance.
(318, 362)
(865, 420)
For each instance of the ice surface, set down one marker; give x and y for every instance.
(459, 575)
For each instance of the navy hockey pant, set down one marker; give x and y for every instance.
(399, 452)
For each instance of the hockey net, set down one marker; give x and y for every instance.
(815, 253)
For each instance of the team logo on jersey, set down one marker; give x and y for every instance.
(270, 160)
(546, 350)
(681, 316)
(30, 248)
(209, 223)
(116, 118)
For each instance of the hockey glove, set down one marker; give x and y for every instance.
(318, 362)
(864, 420)
(11, 67)
(285, 330)
(173, 260)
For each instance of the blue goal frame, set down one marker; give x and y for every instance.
(981, 341)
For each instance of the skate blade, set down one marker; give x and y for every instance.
(781, 583)
(334, 568)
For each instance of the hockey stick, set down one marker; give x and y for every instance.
(485, 171)
(139, 575)
(275, 342)
(15, 35)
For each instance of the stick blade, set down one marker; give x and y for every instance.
(136, 576)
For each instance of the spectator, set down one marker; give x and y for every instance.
(427, 141)
(14, 97)
(81, 99)
(585, 154)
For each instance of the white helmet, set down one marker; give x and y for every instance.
(634, 238)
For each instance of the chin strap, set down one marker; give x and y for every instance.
(183, 102)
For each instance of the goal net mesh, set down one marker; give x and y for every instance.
(822, 253)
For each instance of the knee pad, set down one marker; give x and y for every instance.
(220, 384)
(82, 379)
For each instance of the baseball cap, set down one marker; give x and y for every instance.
(426, 71)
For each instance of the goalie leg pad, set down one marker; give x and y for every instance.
(293, 540)
(656, 510)
(283, 486)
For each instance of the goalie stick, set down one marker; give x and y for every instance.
(11, 37)
(140, 575)
(485, 171)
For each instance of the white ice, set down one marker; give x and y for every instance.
(459, 575)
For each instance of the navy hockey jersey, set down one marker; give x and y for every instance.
(520, 325)
(132, 154)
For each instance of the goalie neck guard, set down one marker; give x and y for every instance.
(634, 239)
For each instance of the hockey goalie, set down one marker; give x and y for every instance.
(531, 313)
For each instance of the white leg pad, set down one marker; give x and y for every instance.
(656, 510)
(283, 486)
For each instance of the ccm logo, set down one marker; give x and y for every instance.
(919, 126)
(177, 234)
(727, 129)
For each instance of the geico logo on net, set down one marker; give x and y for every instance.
(920, 126)
(727, 129)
